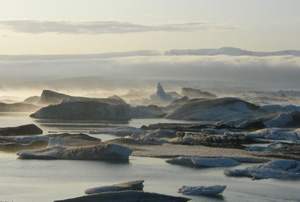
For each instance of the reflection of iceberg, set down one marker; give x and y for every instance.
(272, 169)
(58, 149)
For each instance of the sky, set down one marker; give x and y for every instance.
(89, 45)
(99, 26)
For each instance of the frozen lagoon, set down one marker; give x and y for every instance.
(49, 180)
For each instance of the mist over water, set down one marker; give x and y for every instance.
(117, 73)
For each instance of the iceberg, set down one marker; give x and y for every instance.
(121, 131)
(285, 120)
(150, 111)
(131, 185)
(275, 134)
(272, 169)
(29, 129)
(85, 110)
(227, 108)
(59, 149)
(202, 190)
(204, 162)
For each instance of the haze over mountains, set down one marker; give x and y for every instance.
(231, 51)
(212, 70)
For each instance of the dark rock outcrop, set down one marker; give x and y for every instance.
(126, 196)
(29, 129)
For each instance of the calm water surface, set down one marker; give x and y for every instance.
(48, 180)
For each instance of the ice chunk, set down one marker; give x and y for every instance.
(98, 152)
(272, 169)
(121, 131)
(202, 190)
(132, 185)
(204, 162)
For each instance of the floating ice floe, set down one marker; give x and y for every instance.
(275, 134)
(202, 190)
(59, 149)
(273, 147)
(121, 131)
(132, 185)
(204, 162)
(272, 169)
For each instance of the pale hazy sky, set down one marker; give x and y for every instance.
(97, 26)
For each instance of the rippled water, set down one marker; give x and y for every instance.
(48, 180)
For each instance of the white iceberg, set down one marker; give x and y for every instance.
(202, 190)
(272, 169)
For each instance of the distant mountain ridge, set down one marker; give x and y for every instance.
(231, 52)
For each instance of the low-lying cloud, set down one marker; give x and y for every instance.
(106, 27)
(276, 72)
